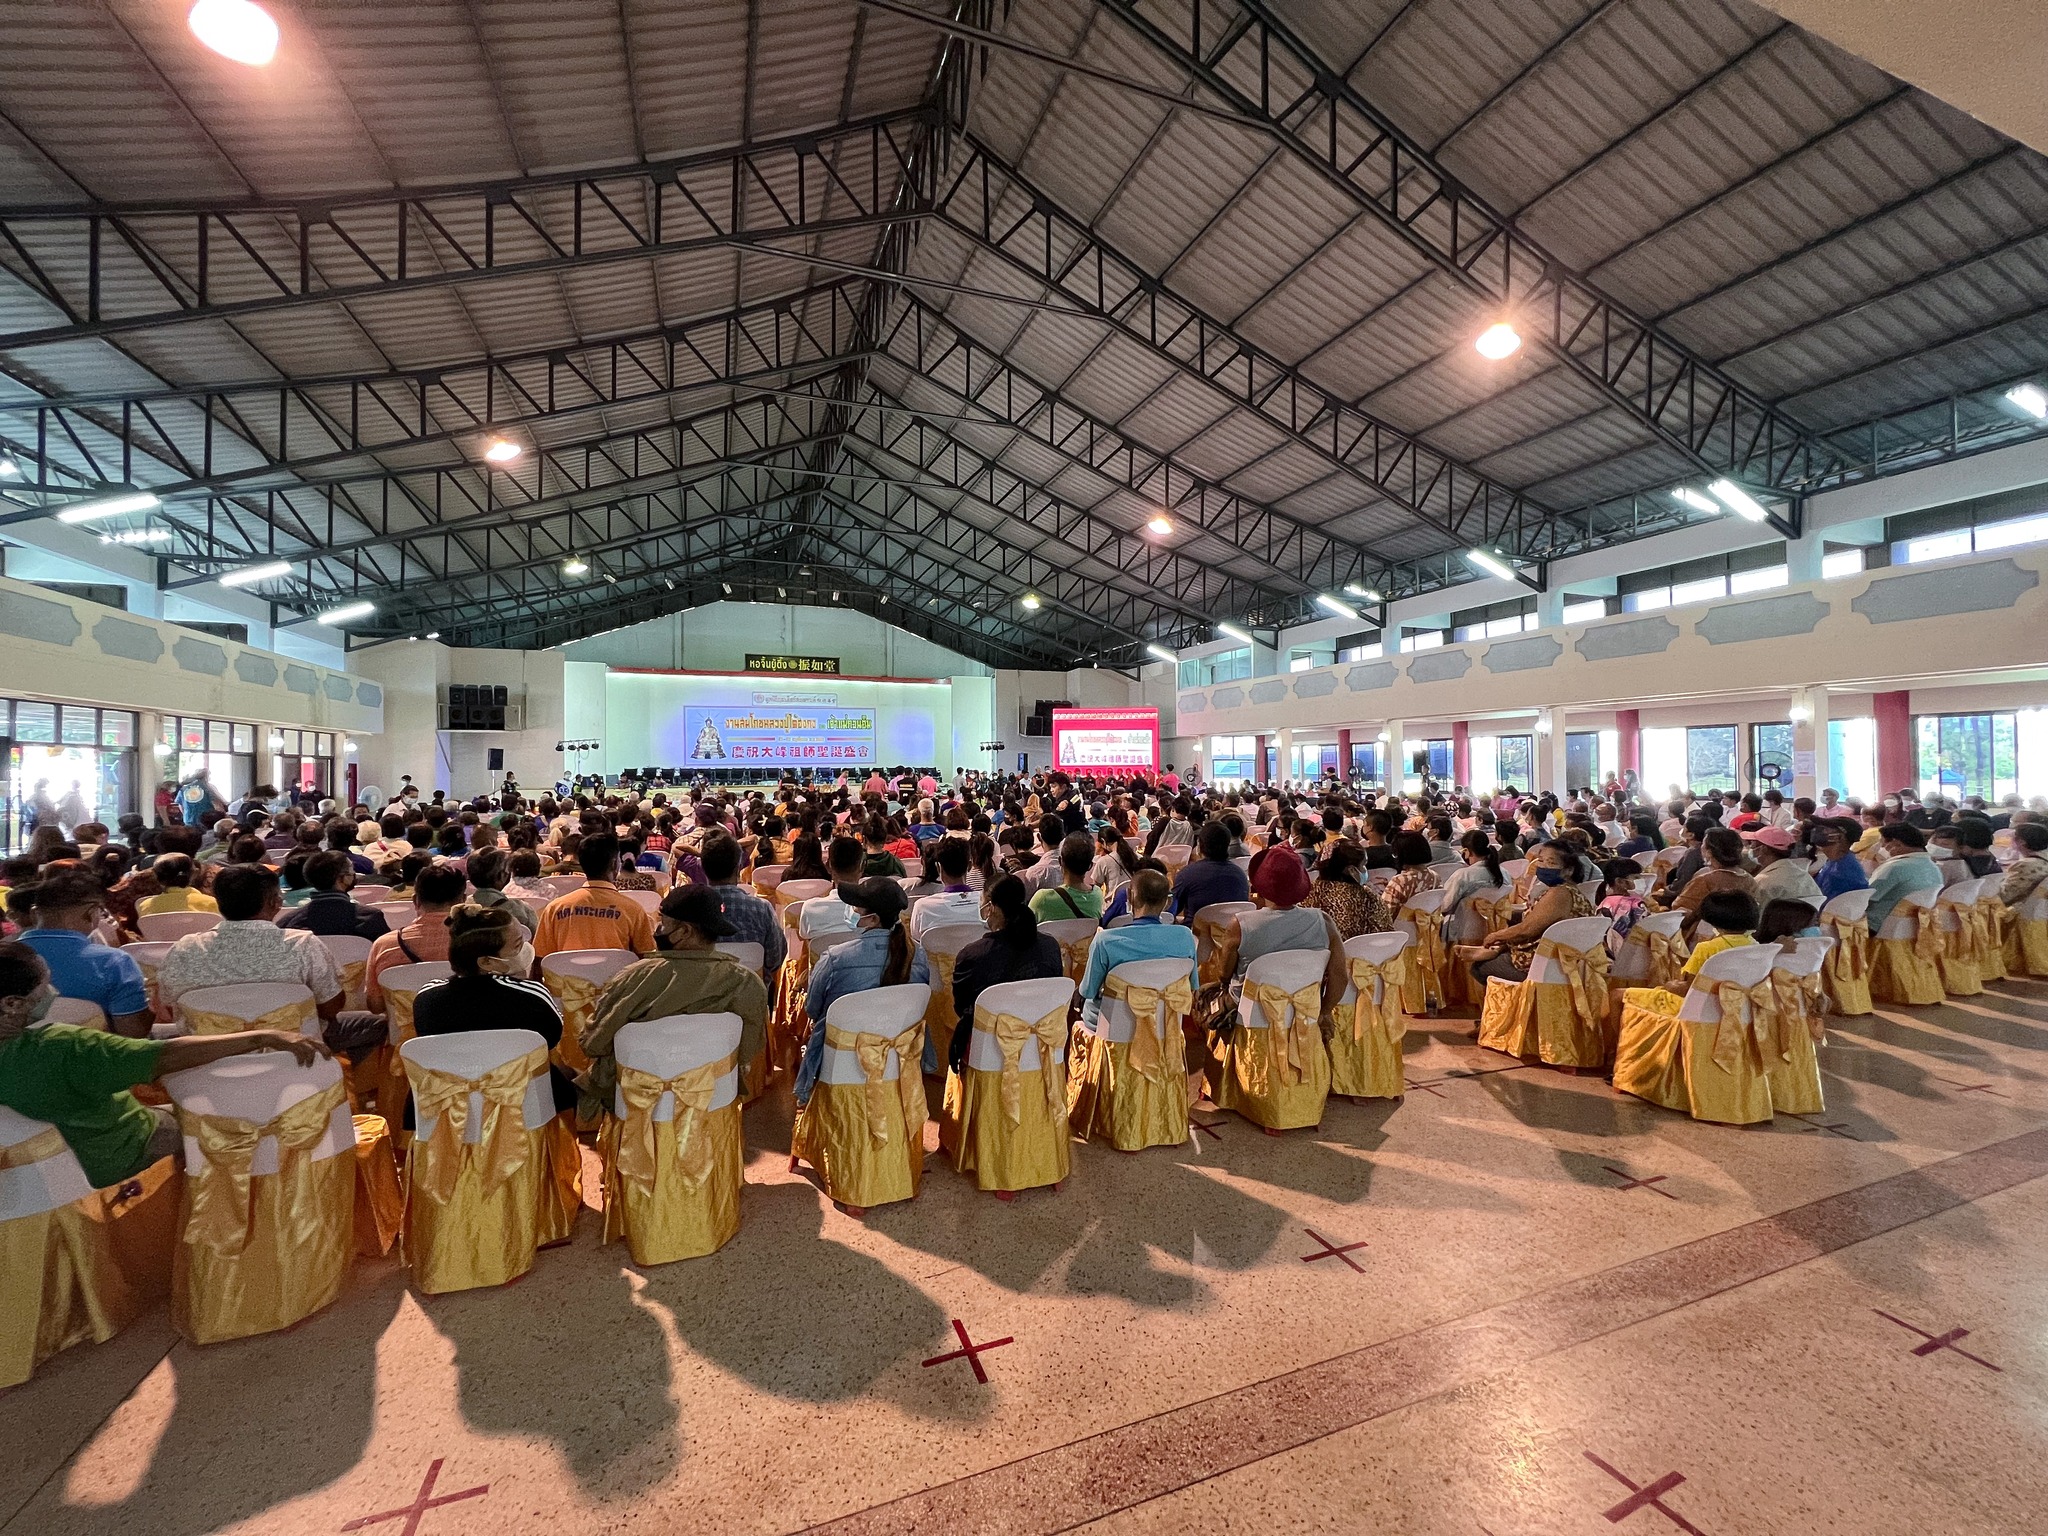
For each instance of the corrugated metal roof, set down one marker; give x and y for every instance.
(1836, 240)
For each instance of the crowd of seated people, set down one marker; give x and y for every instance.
(668, 876)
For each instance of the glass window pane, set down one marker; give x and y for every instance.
(1938, 546)
(1710, 757)
(1663, 758)
(1852, 758)
(1770, 746)
(34, 721)
(117, 728)
(2015, 530)
(191, 735)
(79, 725)
(1580, 613)
(1581, 759)
(326, 748)
(218, 737)
(1759, 581)
(245, 738)
(1699, 591)
(1515, 758)
(288, 743)
(1645, 601)
(1843, 562)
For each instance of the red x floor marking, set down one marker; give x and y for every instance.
(1425, 1087)
(424, 1501)
(1936, 1342)
(1644, 1496)
(969, 1351)
(1838, 1128)
(1972, 1087)
(1332, 1251)
(1650, 1183)
(1212, 1127)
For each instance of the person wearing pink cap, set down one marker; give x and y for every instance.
(1779, 876)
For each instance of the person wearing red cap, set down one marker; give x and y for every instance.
(1280, 884)
(1779, 876)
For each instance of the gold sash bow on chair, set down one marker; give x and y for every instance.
(39, 1148)
(398, 1015)
(939, 1015)
(647, 1145)
(1384, 1014)
(873, 1051)
(1585, 976)
(292, 1018)
(352, 977)
(1074, 956)
(503, 1148)
(1145, 1055)
(1733, 1031)
(1665, 955)
(221, 1198)
(1850, 958)
(1798, 1000)
(1494, 914)
(1428, 954)
(1300, 1033)
(1051, 1032)
(578, 996)
(1929, 943)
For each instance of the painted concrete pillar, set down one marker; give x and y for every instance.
(1628, 735)
(1895, 756)
(1461, 752)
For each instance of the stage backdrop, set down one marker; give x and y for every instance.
(1105, 740)
(749, 721)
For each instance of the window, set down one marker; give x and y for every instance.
(1303, 657)
(1231, 759)
(1495, 619)
(1502, 760)
(1852, 758)
(1647, 600)
(1999, 521)
(1223, 667)
(1837, 563)
(78, 725)
(35, 722)
(1300, 661)
(1582, 610)
(1939, 546)
(1968, 754)
(1702, 591)
(2018, 530)
(1370, 652)
(1770, 746)
(1759, 580)
(1697, 757)
(245, 738)
(1421, 639)
(1582, 759)
(1365, 761)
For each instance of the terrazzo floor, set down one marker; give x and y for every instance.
(1512, 1303)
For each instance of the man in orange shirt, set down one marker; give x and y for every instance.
(598, 916)
(434, 895)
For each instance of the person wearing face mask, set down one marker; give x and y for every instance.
(491, 960)
(1508, 952)
(881, 955)
(80, 1080)
(689, 973)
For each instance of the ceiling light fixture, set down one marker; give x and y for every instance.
(1369, 594)
(502, 450)
(138, 536)
(107, 506)
(9, 470)
(235, 29)
(1160, 524)
(575, 566)
(1739, 501)
(433, 634)
(250, 574)
(1699, 501)
(728, 587)
(1336, 605)
(346, 612)
(2030, 398)
(1030, 601)
(1491, 563)
(1232, 632)
(1161, 652)
(1497, 341)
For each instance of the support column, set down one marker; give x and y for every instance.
(1550, 608)
(1284, 753)
(1803, 557)
(1461, 752)
(1811, 769)
(1259, 771)
(1628, 740)
(1551, 771)
(1894, 716)
(1393, 765)
(1344, 754)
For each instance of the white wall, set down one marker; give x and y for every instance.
(718, 637)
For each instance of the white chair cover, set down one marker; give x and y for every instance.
(1802, 961)
(881, 1011)
(1632, 963)
(1027, 1000)
(76, 1010)
(250, 1000)
(1850, 906)
(396, 914)
(258, 1088)
(1579, 933)
(1373, 949)
(596, 966)
(669, 1047)
(369, 895)
(802, 890)
(164, 927)
(1745, 965)
(1291, 969)
(1646, 860)
(820, 943)
(767, 877)
(1114, 1020)
(648, 901)
(1817, 947)
(346, 948)
(1904, 923)
(470, 1055)
(37, 1187)
(749, 954)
